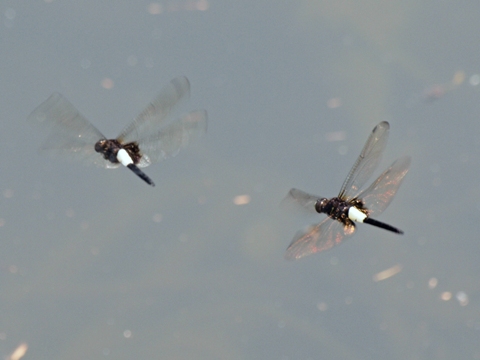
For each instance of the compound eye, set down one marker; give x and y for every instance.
(319, 205)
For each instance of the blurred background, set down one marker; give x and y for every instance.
(95, 264)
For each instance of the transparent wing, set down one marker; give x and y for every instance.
(318, 238)
(379, 195)
(174, 137)
(149, 120)
(301, 200)
(71, 134)
(367, 162)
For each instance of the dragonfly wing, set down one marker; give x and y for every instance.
(302, 200)
(155, 114)
(318, 238)
(378, 196)
(175, 136)
(70, 132)
(367, 162)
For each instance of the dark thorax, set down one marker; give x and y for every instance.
(337, 208)
(110, 148)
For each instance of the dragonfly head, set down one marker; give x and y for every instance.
(323, 206)
(109, 149)
(100, 145)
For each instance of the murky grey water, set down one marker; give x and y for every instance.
(96, 265)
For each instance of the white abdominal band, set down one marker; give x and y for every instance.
(125, 159)
(356, 215)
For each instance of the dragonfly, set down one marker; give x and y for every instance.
(352, 204)
(150, 138)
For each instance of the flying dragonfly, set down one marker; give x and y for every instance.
(148, 139)
(352, 204)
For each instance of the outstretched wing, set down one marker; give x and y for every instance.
(378, 196)
(301, 200)
(153, 117)
(367, 162)
(71, 133)
(174, 137)
(318, 238)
